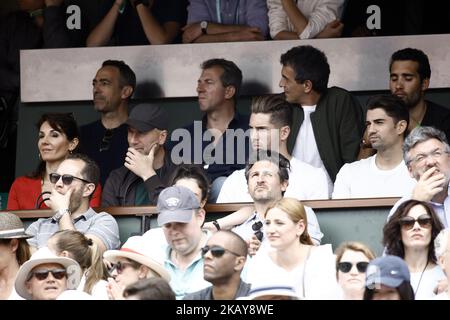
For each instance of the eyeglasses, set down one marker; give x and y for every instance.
(408, 222)
(257, 228)
(120, 266)
(66, 178)
(217, 251)
(421, 157)
(106, 141)
(345, 267)
(43, 274)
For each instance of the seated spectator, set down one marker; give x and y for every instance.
(75, 245)
(194, 178)
(224, 257)
(388, 279)
(148, 167)
(442, 250)
(58, 138)
(409, 234)
(293, 255)
(226, 21)
(270, 124)
(149, 289)
(180, 239)
(292, 19)
(73, 185)
(14, 251)
(138, 22)
(223, 144)
(130, 264)
(352, 259)
(385, 173)
(46, 276)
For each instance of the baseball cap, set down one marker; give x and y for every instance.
(388, 270)
(146, 116)
(175, 204)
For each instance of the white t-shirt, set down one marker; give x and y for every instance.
(363, 179)
(99, 291)
(429, 281)
(305, 148)
(305, 183)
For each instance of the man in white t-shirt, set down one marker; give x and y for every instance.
(270, 123)
(385, 173)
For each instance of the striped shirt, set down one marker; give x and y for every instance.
(101, 225)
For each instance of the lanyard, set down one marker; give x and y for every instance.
(236, 13)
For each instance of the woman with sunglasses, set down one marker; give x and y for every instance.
(409, 234)
(130, 264)
(58, 137)
(75, 245)
(14, 251)
(293, 255)
(352, 259)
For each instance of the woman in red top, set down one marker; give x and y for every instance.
(58, 136)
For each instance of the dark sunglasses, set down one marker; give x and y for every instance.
(43, 274)
(217, 251)
(120, 266)
(66, 178)
(408, 222)
(347, 266)
(106, 141)
(257, 228)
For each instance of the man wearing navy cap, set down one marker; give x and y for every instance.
(147, 165)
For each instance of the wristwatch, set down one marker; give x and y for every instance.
(204, 26)
(58, 214)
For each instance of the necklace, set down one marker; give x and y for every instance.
(420, 279)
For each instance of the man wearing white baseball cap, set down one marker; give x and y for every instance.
(180, 239)
(130, 264)
(46, 276)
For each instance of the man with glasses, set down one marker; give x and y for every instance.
(105, 140)
(180, 239)
(148, 167)
(224, 258)
(427, 155)
(73, 185)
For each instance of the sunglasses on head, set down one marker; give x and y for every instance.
(217, 251)
(106, 141)
(66, 178)
(43, 274)
(408, 222)
(257, 228)
(120, 266)
(347, 266)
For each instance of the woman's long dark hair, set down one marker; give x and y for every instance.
(405, 291)
(62, 122)
(392, 237)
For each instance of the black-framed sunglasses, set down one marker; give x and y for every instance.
(43, 274)
(347, 266)
(408, 222)
(106, 141)
(217, 251)
(67, 179)
(257, 228)
(120, 266)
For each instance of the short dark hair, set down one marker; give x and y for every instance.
(153, 288)
(416, 55)
(281, 111)
(392, 238)
(231, 76)
(239, 244)
(394, 107)
(193, 172)
(309, 63)
(90, 171)
(272, 156)
(127, 76)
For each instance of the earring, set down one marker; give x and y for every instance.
(39, 156)
(70, 151)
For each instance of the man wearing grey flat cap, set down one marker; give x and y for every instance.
(180, 239)
(147, 167)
